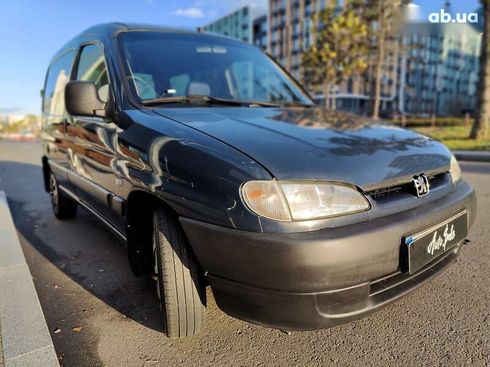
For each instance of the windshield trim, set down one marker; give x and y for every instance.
(290, 77)
(136, 101)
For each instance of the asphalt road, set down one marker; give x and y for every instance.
(83, 280)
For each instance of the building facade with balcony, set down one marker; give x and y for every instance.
(290, 25)
(248, 24)
(261, 32)
(290, 29)
(439, 69)
(432, 69)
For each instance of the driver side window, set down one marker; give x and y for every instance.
(92, 68)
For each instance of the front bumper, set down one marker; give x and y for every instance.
(318, 279)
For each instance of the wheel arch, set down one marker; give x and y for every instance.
(46, 172)
(139, 228)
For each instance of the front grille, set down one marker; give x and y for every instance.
(384, 193)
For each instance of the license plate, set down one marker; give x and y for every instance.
(421, 248)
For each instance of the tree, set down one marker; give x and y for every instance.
(380, 55)
(339, 49)
(480, 126)
(384, 24)
(379, 16)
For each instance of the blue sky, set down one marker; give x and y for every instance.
(31, 31)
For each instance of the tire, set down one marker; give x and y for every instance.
(180, 287)
(64, 207)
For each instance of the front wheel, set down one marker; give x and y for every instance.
(180, 287)
(64, 207)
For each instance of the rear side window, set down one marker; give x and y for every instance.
(56, 80)
(92, 68)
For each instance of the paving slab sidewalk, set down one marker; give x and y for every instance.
(24, 335)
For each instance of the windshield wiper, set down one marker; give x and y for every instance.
(279, 104)
(219, 101)
(296, 104)
(193, 99)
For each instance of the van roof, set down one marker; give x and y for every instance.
(110, 29)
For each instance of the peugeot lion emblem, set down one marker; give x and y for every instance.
(421, 183)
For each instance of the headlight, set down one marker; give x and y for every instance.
(454, 170)
(286, 201)
(265, 198)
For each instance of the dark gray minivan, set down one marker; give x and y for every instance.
(215, 168)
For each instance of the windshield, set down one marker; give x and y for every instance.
(169, 65)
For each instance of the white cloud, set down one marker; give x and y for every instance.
(10, 110)
(192, 12)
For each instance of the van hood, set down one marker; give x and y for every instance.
(311, 143)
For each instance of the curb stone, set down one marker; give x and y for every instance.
(1, 348)
(25, 338)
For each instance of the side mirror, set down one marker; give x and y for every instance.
(82, 99)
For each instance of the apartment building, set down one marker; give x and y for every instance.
(439, 69)
(432, 69)
(290, 25)
(261, 32)
(247, 23)
(290, 28)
